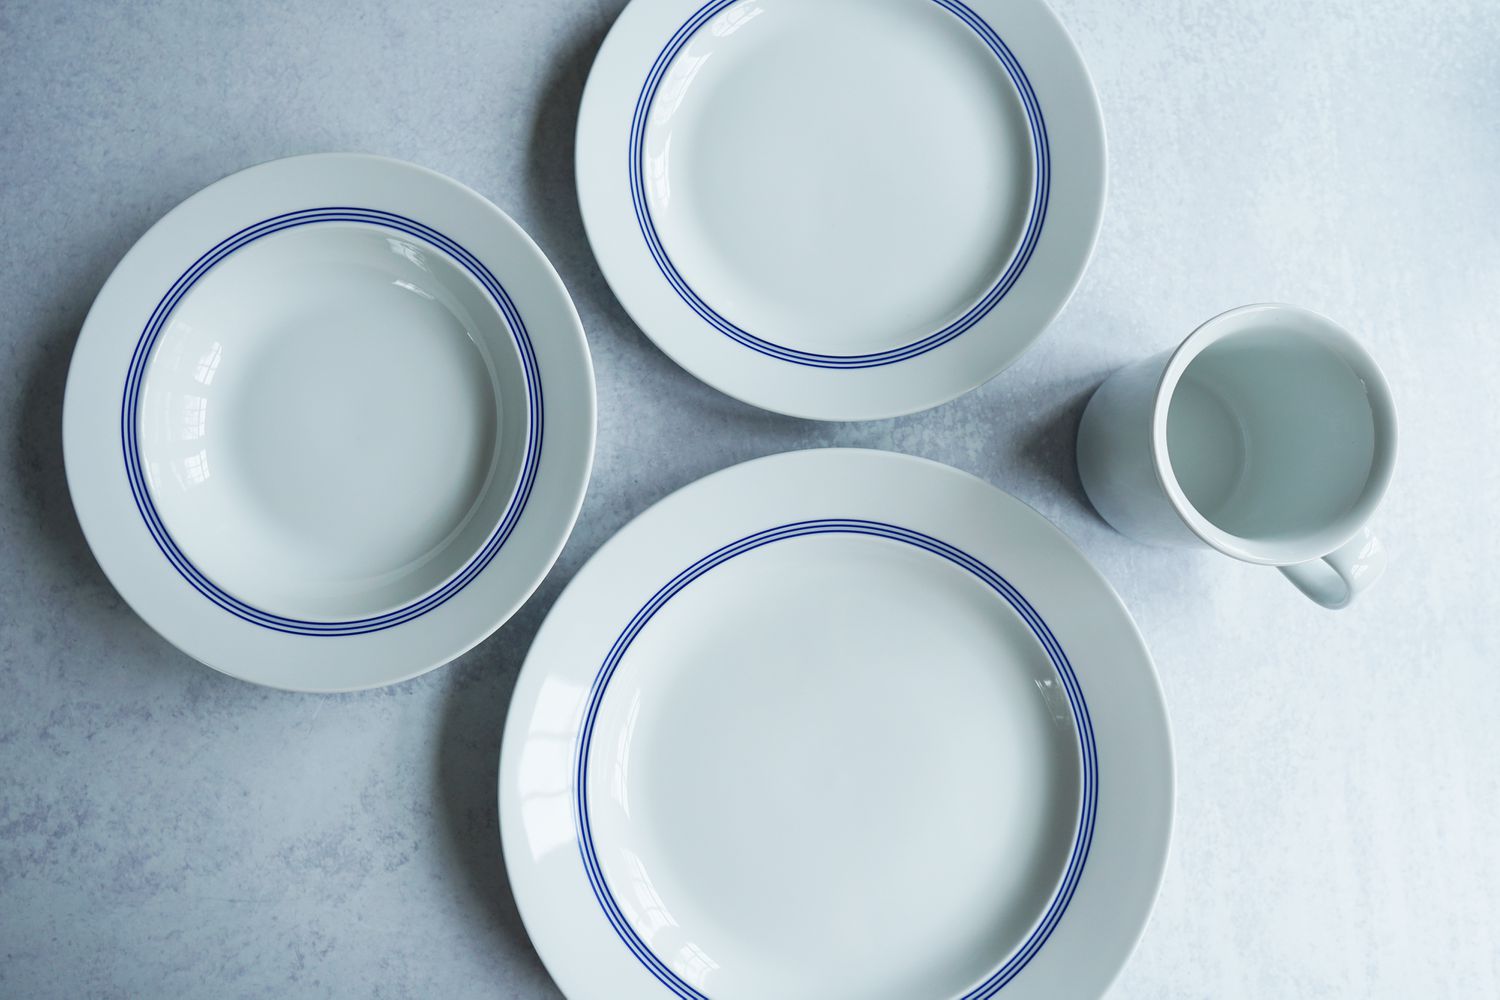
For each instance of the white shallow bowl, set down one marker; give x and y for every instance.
(329, 422)
(841, 209)
(839, 724)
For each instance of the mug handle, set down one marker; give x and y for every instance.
(1339, 577)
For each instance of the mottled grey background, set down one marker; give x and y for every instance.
(165, 831)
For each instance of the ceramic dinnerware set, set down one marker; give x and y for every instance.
(832, 723)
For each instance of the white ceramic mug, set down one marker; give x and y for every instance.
(1268, 434)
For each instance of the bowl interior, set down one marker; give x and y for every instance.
(333, 421)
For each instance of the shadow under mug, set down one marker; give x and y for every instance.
(1268, 434)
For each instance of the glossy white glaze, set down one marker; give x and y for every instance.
(349, 469)
(809, 713)
(1268, 434)
(333, 421)
(841, 209)
(793, 180)
(835, 763)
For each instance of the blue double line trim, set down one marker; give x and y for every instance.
(130, 416)
(878, 529)
(1043, 167)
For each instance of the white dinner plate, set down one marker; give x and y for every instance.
(841, 724)
(329, 422)
(841, 209)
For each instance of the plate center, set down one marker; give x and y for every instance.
(838, 176)
(835, 763)
(324, 426)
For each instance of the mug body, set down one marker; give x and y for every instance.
(1268, 434)
(1116, 457)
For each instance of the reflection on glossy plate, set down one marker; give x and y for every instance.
(836, 723)
(329, 422)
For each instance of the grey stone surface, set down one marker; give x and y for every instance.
(165, 831)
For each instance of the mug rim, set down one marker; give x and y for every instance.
(1310, 545)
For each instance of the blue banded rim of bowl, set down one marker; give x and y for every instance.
(130, 405)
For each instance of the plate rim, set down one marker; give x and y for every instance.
(564, 420)
(1048, 59)
(574, 966)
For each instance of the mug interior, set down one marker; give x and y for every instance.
(1274, 434)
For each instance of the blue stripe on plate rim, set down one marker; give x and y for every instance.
(130, 404)
(1041, 153)
(878, 529)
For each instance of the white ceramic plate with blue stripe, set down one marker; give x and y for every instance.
(841, 209)
(840, 724)
(329, 422)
